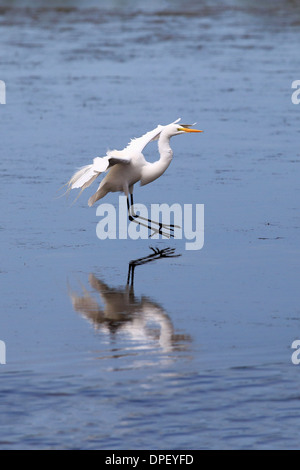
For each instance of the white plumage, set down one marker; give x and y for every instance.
(128, 166)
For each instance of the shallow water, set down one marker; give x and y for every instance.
(201, 355)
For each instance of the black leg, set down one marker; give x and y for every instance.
(134, 218)
(129, 210)
(132, 203)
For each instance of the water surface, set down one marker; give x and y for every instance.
(199, 357)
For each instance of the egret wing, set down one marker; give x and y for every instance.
(86, 175)
(138, 145)
(101, 164)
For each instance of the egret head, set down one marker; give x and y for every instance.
(176, 129)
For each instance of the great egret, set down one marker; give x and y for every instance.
(128, 166)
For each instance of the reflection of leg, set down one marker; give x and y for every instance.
(130, 277)
(157, 253)
(165, 253)
(159, 230)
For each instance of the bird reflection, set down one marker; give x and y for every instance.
(140, 318)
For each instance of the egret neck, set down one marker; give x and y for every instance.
(152, 171)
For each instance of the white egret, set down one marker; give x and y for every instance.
(128, 166)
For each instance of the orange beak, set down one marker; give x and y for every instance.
(186, 129)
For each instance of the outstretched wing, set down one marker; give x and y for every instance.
(138, 145)
(86, 175)
(102, 164)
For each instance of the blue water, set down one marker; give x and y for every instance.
(201, 358)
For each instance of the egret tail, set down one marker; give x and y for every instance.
(83, 178)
